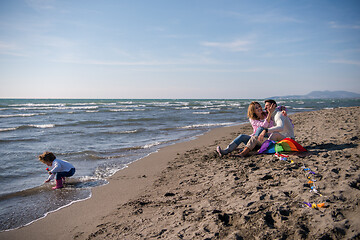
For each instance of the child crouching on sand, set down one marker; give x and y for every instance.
(60, 168)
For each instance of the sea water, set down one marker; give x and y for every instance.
(99, 137)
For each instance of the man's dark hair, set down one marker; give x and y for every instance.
(271, 101)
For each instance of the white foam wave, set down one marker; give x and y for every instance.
(88, 178)
(130, 131)
(206, 125)
(201, 113)
(56, 108)
(303, 108)
(121, 110)
(152, 144)
(28, 126)
(83, 104)
(42, 125)
(124, 132)
(7, 129)
(126, 102)
(81, 108)
(38, 105)
(21, 115)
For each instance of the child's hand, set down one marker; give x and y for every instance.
(46, 181)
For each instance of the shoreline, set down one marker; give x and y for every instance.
(163, 191)
(107, 179)
(128, 174)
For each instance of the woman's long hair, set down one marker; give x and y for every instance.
(251, 111)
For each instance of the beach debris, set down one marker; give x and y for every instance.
(283, 157)
(310, 174)
(314, 190)
(314, 205)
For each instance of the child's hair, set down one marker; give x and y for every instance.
(251, 111)
(47, 157)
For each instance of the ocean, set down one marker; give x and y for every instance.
(100, 137)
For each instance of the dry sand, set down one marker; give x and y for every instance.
(185, 191)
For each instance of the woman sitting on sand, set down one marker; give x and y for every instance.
(258, 118)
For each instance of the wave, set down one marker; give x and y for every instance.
(71, 183)
(18, 140)
(28, 126)
(7, 129)
(57, 108)
(37, 105)
(121, 110)
(205, 125)
(125, 132)
(201, 113)
(143, 119)
(21, 115)
(85, 122)
(38, 126)
(108, 170)
(109, 154)
(126, 102)
(304, 108)
(101, 155)
(150, 145)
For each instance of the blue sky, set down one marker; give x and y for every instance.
(177, 49)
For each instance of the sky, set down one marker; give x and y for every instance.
(177, 48)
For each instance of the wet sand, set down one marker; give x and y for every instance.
(186, 191)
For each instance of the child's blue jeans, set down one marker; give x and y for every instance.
(60, 175)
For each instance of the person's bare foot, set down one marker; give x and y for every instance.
(218, 149)
(244, 152)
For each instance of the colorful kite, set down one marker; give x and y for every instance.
(285, 145)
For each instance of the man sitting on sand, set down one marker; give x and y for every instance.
(283, 128)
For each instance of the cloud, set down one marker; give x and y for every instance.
(10, 49)
(134, 63)
(264, 17)
(339, 26)
(274, 18)
(235, 46)
(156, 29)
(344, 61)
(40, 4)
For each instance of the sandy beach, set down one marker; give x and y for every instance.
(186, 191)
